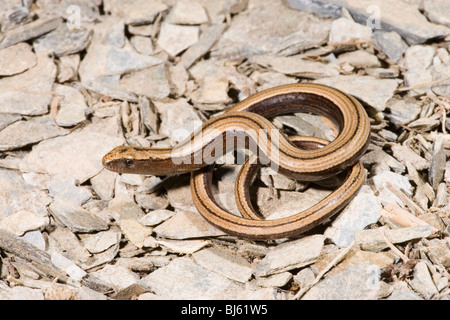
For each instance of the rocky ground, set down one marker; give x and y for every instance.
(78, 78)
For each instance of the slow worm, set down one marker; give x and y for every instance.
(247, 121)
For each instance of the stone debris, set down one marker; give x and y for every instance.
(80, 77)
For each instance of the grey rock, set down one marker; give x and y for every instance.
(358, 282)
(422, 281)
(16, 59)
(225, 263)
(291, 255)
(437, 11)
(63, 41)
(362, 211)
(29, 31)
(295, 32)
(75, 217)
(391, 44)
(410, 24)
(373, 240)
(29, 93)
(25, 132)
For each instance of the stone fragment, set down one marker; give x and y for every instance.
(422, 281)
(101, 241)
(291, 255)
(77, 155)
(151, 82)
(362, 211)
(143, 45)
(373, 239)
(116, 276)
(75, 217)
(345, 30)
(16, 59)
(275, 280)
(73, 108)
(23, 221)
(175, 38)
(63, 41)
(26, 132)
(184, 279)
(29, 93)
(297, 31)
(183, 246)
(187, 12)
(391, 44)
(135, 12)
(29, 31)
(208, 37)
(437, 11)
(17, 195)
(155, 217)
(410, 24)
(359, 59)
(186, 225)
(178, 119)
(358, 282)
(403, 111)
(296, 66)
(224, 263)
(373, 91)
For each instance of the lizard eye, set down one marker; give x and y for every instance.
(129, 163)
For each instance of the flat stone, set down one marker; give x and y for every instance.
(77, 155)
(23, 221)
(88, 10)
(16, 59)
(135, 12)
(297, 31)
(29, 31)
(373, 240)
(406, 155)
(186, 280)
(105, 60)
(103, 184)
(155, 217)
(17, 195)
(359, 59)
(186, 225)
(345, 30)
(411, 24)
(63, 41)
(437, 11)
(291, 255)
(225, 263)
(403, 111)
(373, 91)
(175, 38)
(143, 45)
(362, 211)
(73, 108)
(358, 282)
(183, 246)
(418, 57)
(101, 241)
(275, 280)
(116, 276)
(391, 43)
(296, 66)
(422, 281)
(134, 231)
(441, 72)
(151, 82)
(65, 242)
(401, 182)
(187, 12)
(178, 119)
(75, 217)
(26, 132)
(29, 93)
